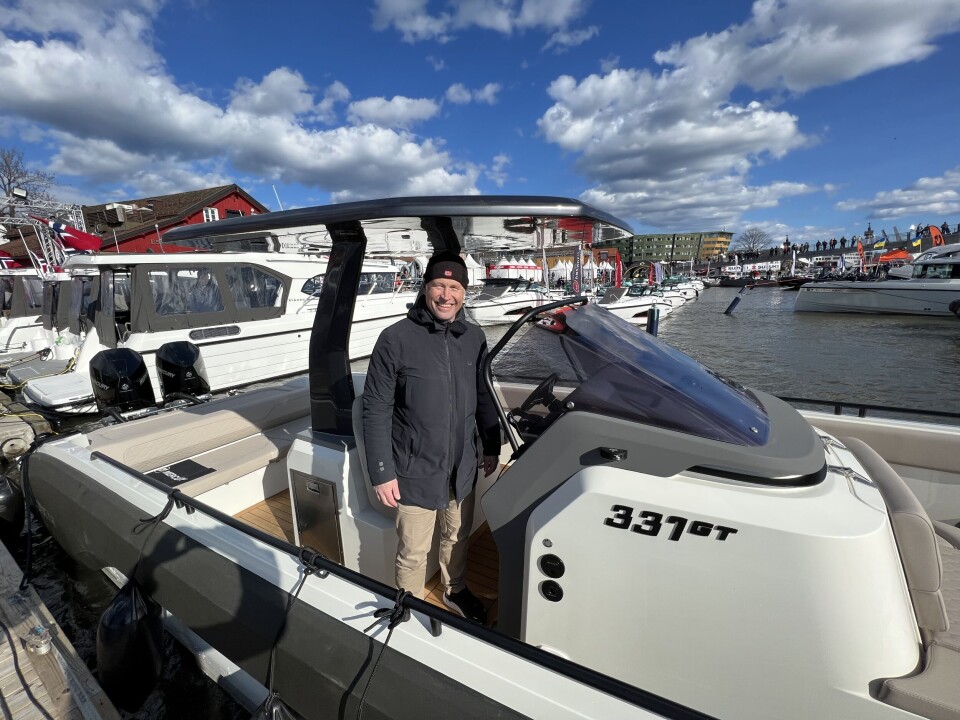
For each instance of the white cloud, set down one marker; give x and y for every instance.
(437, 63)
(459, 94)
(497, 172)
(933, 198)
(90, 81)
(282, 92)
(677, 145)
(563, 40)
(414, 23)
(398, 112)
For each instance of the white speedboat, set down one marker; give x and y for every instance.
(935, 284)
(249, 313)
(503, 300)
(905, 271)
(634, 303)
(671, 545)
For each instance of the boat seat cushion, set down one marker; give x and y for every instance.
(915, 536)
(167, 438)
(235, 460)
(934, 692)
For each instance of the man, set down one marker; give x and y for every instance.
(423, 403)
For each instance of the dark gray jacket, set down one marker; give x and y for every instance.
(424, 402)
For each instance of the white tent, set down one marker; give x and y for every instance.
(475, 271)
(589, 267)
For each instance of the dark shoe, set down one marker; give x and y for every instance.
(466, 604)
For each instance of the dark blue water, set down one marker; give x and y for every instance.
(896, 361)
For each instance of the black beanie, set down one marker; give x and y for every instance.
(446, 265)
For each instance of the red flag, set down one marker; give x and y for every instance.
(618, 272)
(650, 275)
(863, 258)
(70, 236)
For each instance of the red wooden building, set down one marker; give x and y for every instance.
(138, 225)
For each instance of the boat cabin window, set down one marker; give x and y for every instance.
(254, 287)
(944, 271)
(6, 293)
(185, 290)
(313, 285)
(374, 283)
(33, 293)
(600, 363)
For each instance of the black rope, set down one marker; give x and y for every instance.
(307, 558)
(23, 680)
(393, 616)
(152, 523)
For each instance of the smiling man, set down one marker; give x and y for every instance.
(425, 407)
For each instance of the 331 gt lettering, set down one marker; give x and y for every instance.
(651, 523)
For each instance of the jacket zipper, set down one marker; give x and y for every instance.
(453, 402)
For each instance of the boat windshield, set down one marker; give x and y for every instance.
(607, 366)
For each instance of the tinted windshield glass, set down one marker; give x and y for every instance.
(607, 366)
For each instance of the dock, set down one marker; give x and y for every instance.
(51, 675)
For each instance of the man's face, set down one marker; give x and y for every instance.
(444, 298)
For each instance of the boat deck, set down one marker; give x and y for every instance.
(275, 516)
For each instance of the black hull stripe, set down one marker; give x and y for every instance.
(573, 671)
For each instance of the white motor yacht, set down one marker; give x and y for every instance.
(934, 286)
(661, 542)
(634, 303)
(503, 300)
(249, 313)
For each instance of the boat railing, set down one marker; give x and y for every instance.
(845, 407)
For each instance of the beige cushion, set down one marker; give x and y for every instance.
(234, 461)
(915, 536)
(167, 438)
(934, 693)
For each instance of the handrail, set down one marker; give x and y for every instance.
(862, 408)
(487, 361)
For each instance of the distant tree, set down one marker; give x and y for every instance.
(751, 240)
(15, 174)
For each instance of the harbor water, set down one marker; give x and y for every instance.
(907, 362)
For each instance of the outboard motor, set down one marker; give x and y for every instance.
(181, 371)
(120, 381)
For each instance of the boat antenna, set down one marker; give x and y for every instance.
(277, 196)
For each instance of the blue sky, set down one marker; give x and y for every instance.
(809, 118)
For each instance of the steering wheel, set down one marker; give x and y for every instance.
(541, 395)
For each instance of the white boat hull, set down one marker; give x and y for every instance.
(893, 297)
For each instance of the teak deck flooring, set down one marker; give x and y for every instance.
(274, 516)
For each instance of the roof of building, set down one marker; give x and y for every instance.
(131, 218)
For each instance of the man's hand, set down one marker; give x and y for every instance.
(389, 492)
(490, 464)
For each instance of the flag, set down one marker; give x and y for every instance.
(658, 272)
(793, 264)
(70, 236)
(936, 235)
(618, 272)
(841, 263)
(650, 274)
(7, 261)
(882, 243)
(863, 257)
(916, 243)
(577, 276)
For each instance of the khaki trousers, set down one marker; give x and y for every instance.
(415, 526)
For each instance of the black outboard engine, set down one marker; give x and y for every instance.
(181, 371)
(121, 381)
